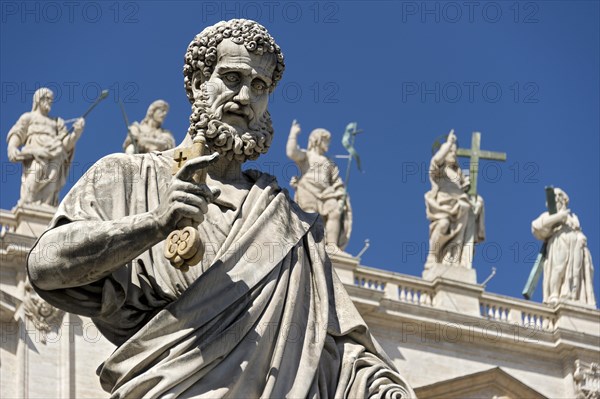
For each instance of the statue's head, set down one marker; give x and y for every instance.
(157, 111)
(230, 69)
(562, 199)
(42, 100)
(318, 141)
(450, 158)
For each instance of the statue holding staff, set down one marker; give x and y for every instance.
(45, 148)
(149, 135)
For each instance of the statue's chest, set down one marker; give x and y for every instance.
(149, 131)
(39, 126)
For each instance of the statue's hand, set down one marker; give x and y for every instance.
(295, 130)
(451, 137)
(186, 199)
(78, 125)
(38, 152)
(564, 214)
(14, 155)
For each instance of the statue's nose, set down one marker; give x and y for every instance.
(243, 96)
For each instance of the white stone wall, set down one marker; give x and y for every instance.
(434, 330)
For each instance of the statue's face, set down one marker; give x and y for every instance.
(561, 202)
(325, 144)
(239, 83)
(451, 156)
(160, 114)
(45, 104)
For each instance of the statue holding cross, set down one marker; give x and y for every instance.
(565, 259)
(454, 209)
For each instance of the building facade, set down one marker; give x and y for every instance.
(448, 336)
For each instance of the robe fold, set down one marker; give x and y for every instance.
(263, 315)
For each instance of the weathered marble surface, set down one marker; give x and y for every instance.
(456, 219)
(148, 135)
(568, 268)
(320, 188)
(263, 315)
(44, 147)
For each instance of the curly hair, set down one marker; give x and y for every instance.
(201, 54)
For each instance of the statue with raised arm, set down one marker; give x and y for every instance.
(568, 269)
(45, 148)
(320, 188)
(262, 313)
(148, 135)
(456, 219)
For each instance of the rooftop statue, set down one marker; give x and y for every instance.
(148, 135)
(456, 218)
(45, 147)
(320, 188)
(567, 265)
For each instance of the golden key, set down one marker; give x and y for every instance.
(183, 247)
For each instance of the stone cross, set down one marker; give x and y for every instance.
(475, 153)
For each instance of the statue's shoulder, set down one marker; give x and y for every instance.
(122, 160)
(113, 167)
(26, 117)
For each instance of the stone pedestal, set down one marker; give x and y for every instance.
(456, 273)
(32, 220)
(455, 288)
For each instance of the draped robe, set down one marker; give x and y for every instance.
(264, 315)
(43, 177)
(574, 279)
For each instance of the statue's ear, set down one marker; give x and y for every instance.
(197, 80)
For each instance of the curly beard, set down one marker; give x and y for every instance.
(226, 139)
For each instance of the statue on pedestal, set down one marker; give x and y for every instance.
(262, 314)
(567, 267)
(45, 147)
(456, 218)
(320, 188)
(148, 135)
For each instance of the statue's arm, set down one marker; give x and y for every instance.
(132, 134)
(440, 155)
(82, 252)
(169, 139)
(336, 180)
(292, 150)
(543, 227)
(14, 154)
(16, 138)
(69, 140)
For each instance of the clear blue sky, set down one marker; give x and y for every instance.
(525, 74)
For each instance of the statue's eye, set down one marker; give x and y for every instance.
(231, 77)
(259, 85)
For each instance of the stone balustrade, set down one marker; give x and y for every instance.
(416, 291)
(8, 222)
(511, 310)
